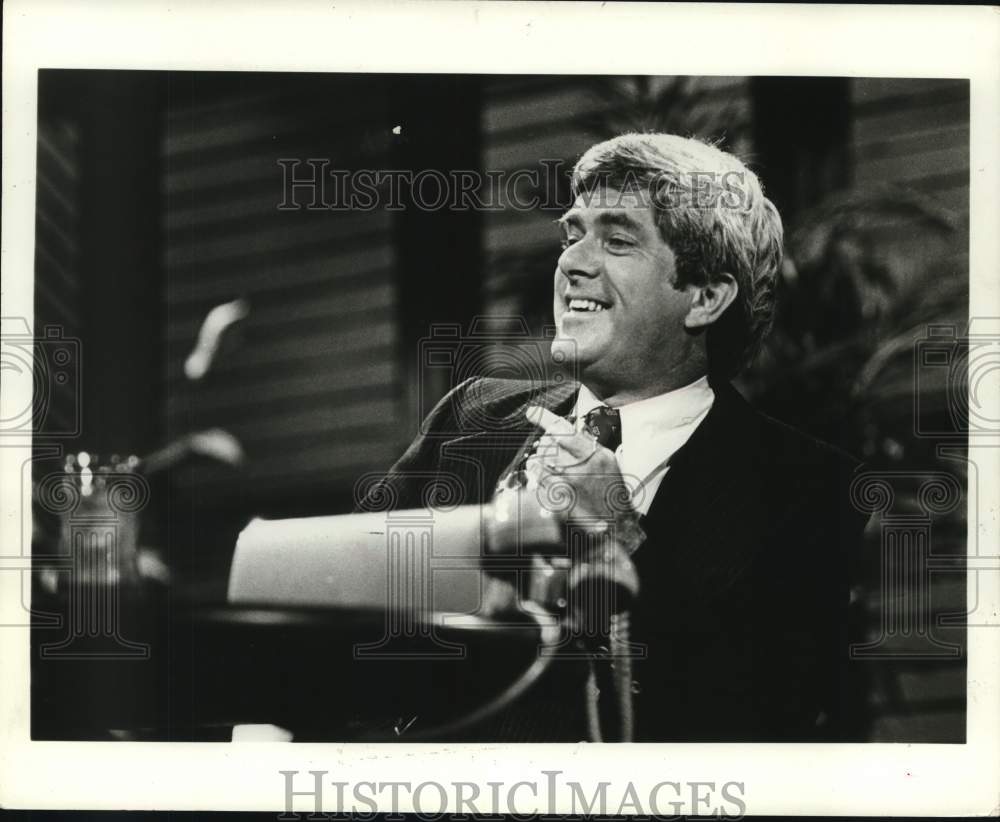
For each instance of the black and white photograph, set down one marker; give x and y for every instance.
(372, 407)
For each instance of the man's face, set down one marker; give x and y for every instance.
(614, 303)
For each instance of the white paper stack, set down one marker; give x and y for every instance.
(427, 561)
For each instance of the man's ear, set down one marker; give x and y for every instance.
(710, 301)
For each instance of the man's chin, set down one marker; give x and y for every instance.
(571, 355)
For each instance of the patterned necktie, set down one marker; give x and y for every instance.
(610, 676)
(605, 424)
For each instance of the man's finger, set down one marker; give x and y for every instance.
(534, 469)
(577, 446)
(553, 424)
(547, 450)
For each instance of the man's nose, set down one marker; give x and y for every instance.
(581, 259)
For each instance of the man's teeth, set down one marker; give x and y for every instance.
(585, 305)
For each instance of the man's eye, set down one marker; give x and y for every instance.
(619, 243)
(567, 241)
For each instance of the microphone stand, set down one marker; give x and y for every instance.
(590, 592)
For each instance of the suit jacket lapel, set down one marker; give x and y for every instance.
(555, 397)
(484, 457)
(704, 503)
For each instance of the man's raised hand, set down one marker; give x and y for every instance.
(581, 476)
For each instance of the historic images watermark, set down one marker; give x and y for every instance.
(85, 514)
(954, 371)
(961, 369)
(314, 184)
(500, 347)
(550, 790)
(35, 368)
(40, 410)
(98, 508)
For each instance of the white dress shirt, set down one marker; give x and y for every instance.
(652, 430)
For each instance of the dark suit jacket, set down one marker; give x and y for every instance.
(744, 572)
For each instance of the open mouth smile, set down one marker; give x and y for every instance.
(586, 305)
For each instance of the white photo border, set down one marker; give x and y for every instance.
(500, 38)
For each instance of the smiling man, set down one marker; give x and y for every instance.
(662, 294)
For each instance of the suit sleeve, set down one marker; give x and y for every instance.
(403, 485)
(848, 689)
(817, 701)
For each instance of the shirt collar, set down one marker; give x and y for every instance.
(653, 428)
(682, 406)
